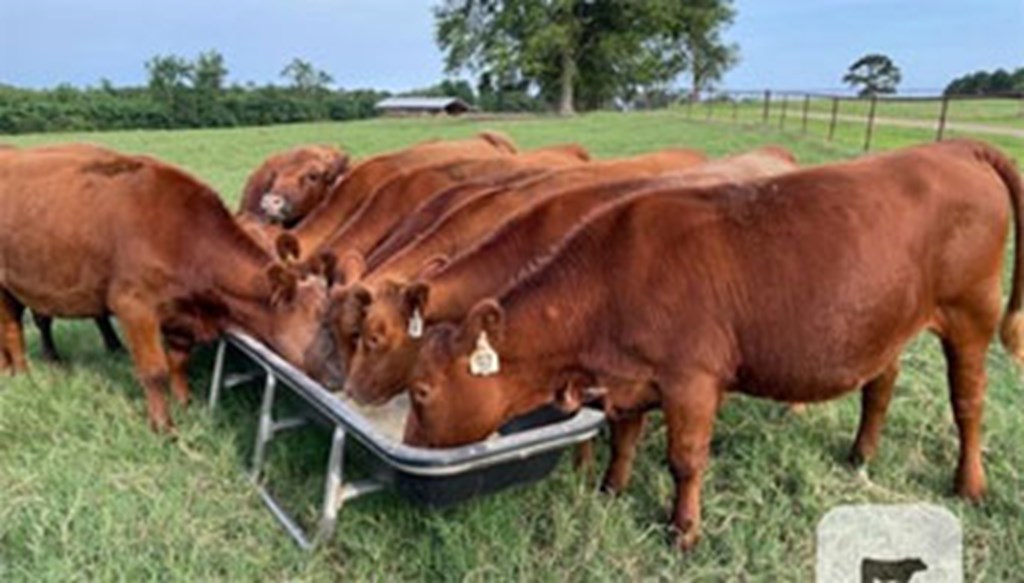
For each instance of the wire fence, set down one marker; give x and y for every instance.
(873, 122)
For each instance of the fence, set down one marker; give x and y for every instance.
(998, 118)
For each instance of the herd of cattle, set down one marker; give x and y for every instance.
(484, 282)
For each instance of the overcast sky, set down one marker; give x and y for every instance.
(388, 44)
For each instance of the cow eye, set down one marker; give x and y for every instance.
(313, 176)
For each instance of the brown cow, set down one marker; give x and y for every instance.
(403, 195)
(85, 235)
(383, 316)
(471, 221)
(288, 185)
(282, 190)
(796, 288)
(364, 179)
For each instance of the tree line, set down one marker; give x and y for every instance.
(184, 93)
(998, 82)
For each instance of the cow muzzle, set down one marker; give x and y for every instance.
(276, 207)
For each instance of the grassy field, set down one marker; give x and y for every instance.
(87, 493)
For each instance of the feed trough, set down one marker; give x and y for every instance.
(524, 450)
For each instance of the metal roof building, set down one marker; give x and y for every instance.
(416, 105)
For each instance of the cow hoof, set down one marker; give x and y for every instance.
(972, 489)
(686, 541)
(797, 408)
(857, 460)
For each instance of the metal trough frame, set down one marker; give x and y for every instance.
(347, 423)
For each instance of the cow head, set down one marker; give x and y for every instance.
(461, 389)
(300, 329)
(384, 329)
(288, 186)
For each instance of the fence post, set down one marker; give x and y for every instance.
(689, 108)
(807, 105)
(711, 107)
(832, 124)
(871, 123)
(782, 116)
(767, 106)
(942, 118)
(735, 109)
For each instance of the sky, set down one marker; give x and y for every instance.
(389, 44)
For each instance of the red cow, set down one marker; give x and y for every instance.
(388, 317)
(86, 232)
(288, 185)
(796, 288)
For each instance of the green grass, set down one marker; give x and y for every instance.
(87, 493)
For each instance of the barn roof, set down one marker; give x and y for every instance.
(419, 102)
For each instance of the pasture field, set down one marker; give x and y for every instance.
(87, 493)
(898, 123)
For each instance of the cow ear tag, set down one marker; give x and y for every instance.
(484, 361)
(416, 324)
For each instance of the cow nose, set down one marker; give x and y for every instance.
(275, 206)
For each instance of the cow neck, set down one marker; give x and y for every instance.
(238, 270)
(338, 208)
(550, 317)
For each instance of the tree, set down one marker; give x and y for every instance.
(874, 73)
(694, 28)
(575, 52)
(304, 77)
(209, 72)
(170, 79)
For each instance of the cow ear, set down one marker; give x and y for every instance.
(339, 165)
(414, 304)
(482, 335)
(325, 265)
(577, 392)
(415, 296)
(352, 304)
(432, 266)
(486, 318)
(284, 285)
(259, 183)
(287, 247)
(352, 267)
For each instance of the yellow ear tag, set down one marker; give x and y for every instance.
(484, 361)
(416, 324)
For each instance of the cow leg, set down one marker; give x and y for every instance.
(178, 351)
(689, 409)
(110, 339)
(13, 341)
(583, 456)
(967, 383)
(142, 329)
(968, 332)
(875, 398)
(45, 325)
(625, 434)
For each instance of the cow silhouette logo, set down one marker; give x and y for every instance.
(889, 543)
(878, 571)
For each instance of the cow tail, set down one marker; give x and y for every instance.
(1011, 332)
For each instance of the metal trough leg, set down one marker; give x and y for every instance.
(218, 374)
(336, 491)
(265, 430)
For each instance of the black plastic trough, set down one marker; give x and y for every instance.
(525, 450)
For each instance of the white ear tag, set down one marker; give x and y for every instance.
(484, 361)
(416, 324)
